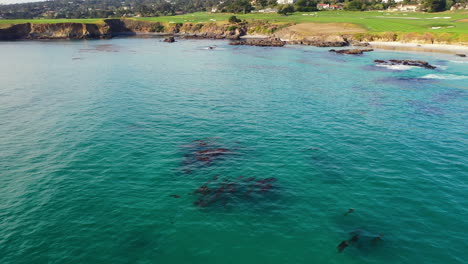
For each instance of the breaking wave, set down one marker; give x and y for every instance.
(445, 77)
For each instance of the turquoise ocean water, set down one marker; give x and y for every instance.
(137, 151)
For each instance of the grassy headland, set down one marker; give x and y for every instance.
(446, 26)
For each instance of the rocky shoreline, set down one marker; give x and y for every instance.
(269, 42)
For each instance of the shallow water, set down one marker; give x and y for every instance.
(95, 137)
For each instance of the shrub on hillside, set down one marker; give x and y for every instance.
(234, 19)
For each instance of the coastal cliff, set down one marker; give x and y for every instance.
(55, 31)
(114, 27)
(321, 35)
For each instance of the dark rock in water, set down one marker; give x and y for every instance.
(460, 55)
(415, 63)
(175, 196)
(169, 40)
(344, 244)
(270, 42)
(351, 51)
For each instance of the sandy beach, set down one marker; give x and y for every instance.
(440, 48)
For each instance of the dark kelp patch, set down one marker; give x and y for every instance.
(448, 96)
(201, 153)
(220, 192)
(425, 108)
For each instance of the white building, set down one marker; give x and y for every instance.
(286, 2)
(404, 8)
(268, 10)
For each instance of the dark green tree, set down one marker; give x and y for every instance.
(306, 6)
(234, 20)
(239, 6)
(435, 5)
(285, 10)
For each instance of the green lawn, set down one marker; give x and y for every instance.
(373, 21)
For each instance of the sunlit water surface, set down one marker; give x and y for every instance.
(104, 144)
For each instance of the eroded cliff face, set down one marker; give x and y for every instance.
(213, 31)
(18, 31)
(68, 31)
(114, 27)
(189, 30)
(55, 31)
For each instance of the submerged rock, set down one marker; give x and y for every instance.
(415, 63)
(351, 51)
(270, 42)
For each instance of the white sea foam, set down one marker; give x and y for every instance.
(445, 77)
(441, 67)
(459, 61)
(396, 67)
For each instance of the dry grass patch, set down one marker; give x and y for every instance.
(326, 28)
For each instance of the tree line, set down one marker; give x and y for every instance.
(76, 9)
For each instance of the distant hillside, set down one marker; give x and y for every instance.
(79, 9)
(75, 9)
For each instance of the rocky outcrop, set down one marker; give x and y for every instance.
(169, 40)
(326, 41)
(460, 55)
(270, 42)
(321, 41)
(415, 63)
(118, 27)
(351, 51)
(212, 31)
(292, 36)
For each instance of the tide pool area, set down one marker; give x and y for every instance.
(132, 150)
